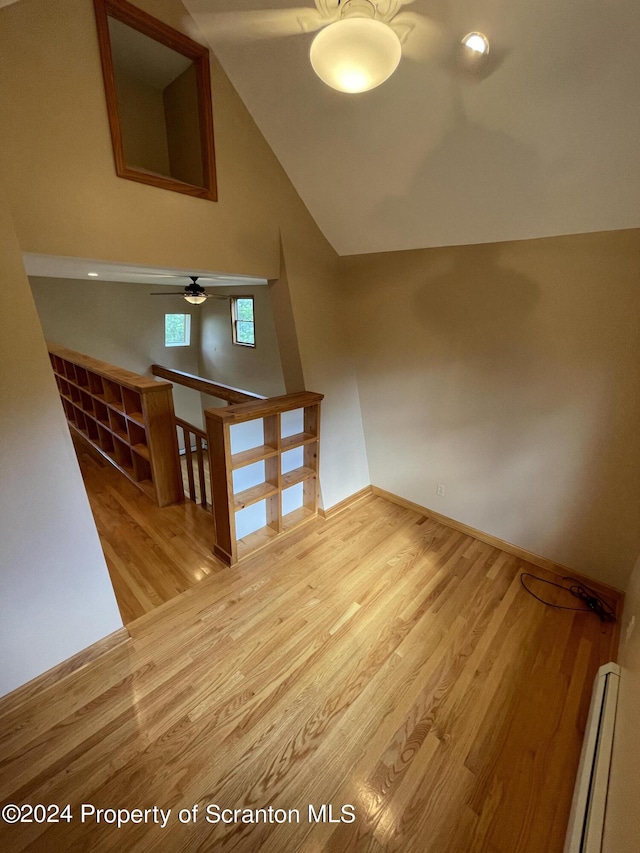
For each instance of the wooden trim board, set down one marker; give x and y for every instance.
(62, 670)
(613, 595)
(346, 503)
(527, 556)
(515, 550)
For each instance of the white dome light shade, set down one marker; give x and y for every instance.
(196, 300)
(355, 54)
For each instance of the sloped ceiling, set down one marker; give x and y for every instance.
(544, 141)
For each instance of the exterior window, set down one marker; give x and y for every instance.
(177, 330)
(242, 321)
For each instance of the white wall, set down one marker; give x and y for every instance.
(622, 826)
(56, 597)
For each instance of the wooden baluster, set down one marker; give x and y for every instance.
(207, 474)
(203, 485)
(187, 447)
(219, 445)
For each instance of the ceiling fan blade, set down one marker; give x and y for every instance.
(386, 9)
(182, 293)
(421, 38)
(256, 25)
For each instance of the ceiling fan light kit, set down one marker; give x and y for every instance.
(193, 293)
(356, 53)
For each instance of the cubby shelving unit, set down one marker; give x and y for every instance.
(128, 418)
(226, 502)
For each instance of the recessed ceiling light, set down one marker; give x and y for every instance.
(92, 274)
(477, 42)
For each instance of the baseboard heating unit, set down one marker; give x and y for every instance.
(586, 823)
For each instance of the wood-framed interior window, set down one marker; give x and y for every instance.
(157, 85)
(243, 327)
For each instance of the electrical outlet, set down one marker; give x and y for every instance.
(440, 490)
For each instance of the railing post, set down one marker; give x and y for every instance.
(221, 476)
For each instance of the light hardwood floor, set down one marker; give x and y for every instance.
(378, 659)
(153, 554)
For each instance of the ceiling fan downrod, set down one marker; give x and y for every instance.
(357, 9)
(194, 292)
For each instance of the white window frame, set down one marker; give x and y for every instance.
(234, 320)
(186, 342)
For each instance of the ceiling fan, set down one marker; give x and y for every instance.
(358, 43)
(193, 293)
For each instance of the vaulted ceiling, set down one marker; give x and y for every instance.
(543, 141)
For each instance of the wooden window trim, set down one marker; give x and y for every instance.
(133, 17)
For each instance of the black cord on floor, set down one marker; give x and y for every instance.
(594, 602)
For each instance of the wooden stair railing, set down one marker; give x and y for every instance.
(205, 386)
(195, 443)
(194, 463)
(224, 463)
(283, 510)
(131, 421)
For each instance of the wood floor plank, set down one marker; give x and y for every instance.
(376, 658)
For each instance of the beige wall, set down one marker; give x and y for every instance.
(622, 826)
(120, 323)
(182, 122)
(254, 369)
(142, 119)
(73, 203)
(285, 329)
(55, 593)
(510, 374)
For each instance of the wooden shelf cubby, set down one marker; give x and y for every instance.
(297, 440)
(128, 418)
(227, 502)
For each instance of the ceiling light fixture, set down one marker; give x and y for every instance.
(356, 53)
(477, 42)
(92, 274)
(194, 293)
